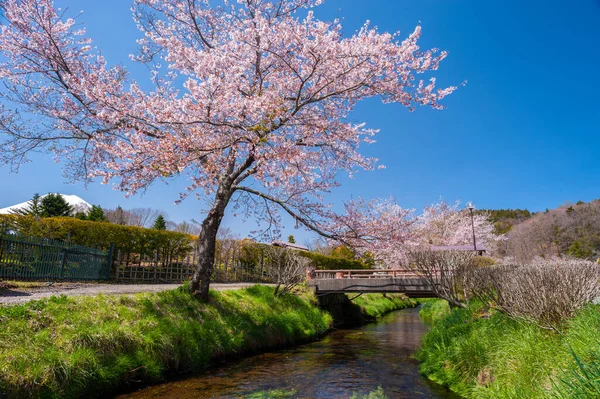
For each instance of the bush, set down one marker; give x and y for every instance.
(547, 292)
(482, 261)
(127, 239)
(445, 272)
(324, 262)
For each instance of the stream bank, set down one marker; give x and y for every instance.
(90, 346)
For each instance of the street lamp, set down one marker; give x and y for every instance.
(470, 207)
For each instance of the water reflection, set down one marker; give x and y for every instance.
(344, 362)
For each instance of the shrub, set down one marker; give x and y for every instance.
(444, 271)
(127, 239)
(482, 261)
(324, 262)
(287, 269)
(545, 292)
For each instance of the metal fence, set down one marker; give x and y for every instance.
(24, 258)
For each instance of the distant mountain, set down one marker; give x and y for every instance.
(78, 204)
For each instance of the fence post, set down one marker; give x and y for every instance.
(156, 266)
(111, 252)
(64, 262)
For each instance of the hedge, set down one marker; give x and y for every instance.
(127, 239)
(324, 262)
(142, 241)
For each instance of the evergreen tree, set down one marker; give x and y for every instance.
(291, 239)
(55, 205)
(96, 214)
(120, 216)
(80, 215)
(33, 207)
(160, 223)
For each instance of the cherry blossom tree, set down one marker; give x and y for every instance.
(444, 224)
(250, 101)
(379, 227)
(391, 233)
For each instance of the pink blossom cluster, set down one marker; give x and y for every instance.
(250, 100)
(389, 232)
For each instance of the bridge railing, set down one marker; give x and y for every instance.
(365, 273)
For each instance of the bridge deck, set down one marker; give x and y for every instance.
(372, 281)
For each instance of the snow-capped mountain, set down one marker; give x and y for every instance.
(78, 204)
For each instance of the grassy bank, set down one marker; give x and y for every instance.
(377, 305)
(84, 346)
(479, 354)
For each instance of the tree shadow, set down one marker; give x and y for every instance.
(6, 292)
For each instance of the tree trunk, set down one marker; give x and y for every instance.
(207, 242)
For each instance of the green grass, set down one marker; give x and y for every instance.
(273, 394)
(376, 305)
(87, 346)
(483, 354)
(433, 309)
(376, 394)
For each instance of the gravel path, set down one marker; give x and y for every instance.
(9, 296)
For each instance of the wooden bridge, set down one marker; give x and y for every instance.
(406, 282)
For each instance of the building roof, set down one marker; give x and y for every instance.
(289, 245)
(468, 247)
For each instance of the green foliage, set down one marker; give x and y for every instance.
(579, 249)
(324, 262)
(72, 347)
(343, 252)
(96, 214)
(273, 394)
(482, 261)
(377, 394)
(433, 309)
(120, 216)
(582, 381)
(127, 239)
(291, 239)
(33, 208)
(505, 219)
(377, 305)
(53, 205)
(160, 223)
(80, 216)
(483, 354)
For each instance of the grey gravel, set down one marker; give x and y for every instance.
(9, 296)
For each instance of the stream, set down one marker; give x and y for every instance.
(341, 364)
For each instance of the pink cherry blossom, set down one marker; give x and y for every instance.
(251, 102)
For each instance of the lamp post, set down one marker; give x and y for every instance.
(471, 208)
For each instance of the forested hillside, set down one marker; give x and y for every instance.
(567, 230)
(505, 219)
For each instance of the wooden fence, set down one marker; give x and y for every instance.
(132, 268)
(23, 258)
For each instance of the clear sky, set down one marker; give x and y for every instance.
(524, 132)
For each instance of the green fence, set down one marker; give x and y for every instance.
(42, 259)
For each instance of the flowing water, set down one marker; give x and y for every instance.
(343, 363)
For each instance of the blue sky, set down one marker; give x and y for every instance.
(524, 132)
